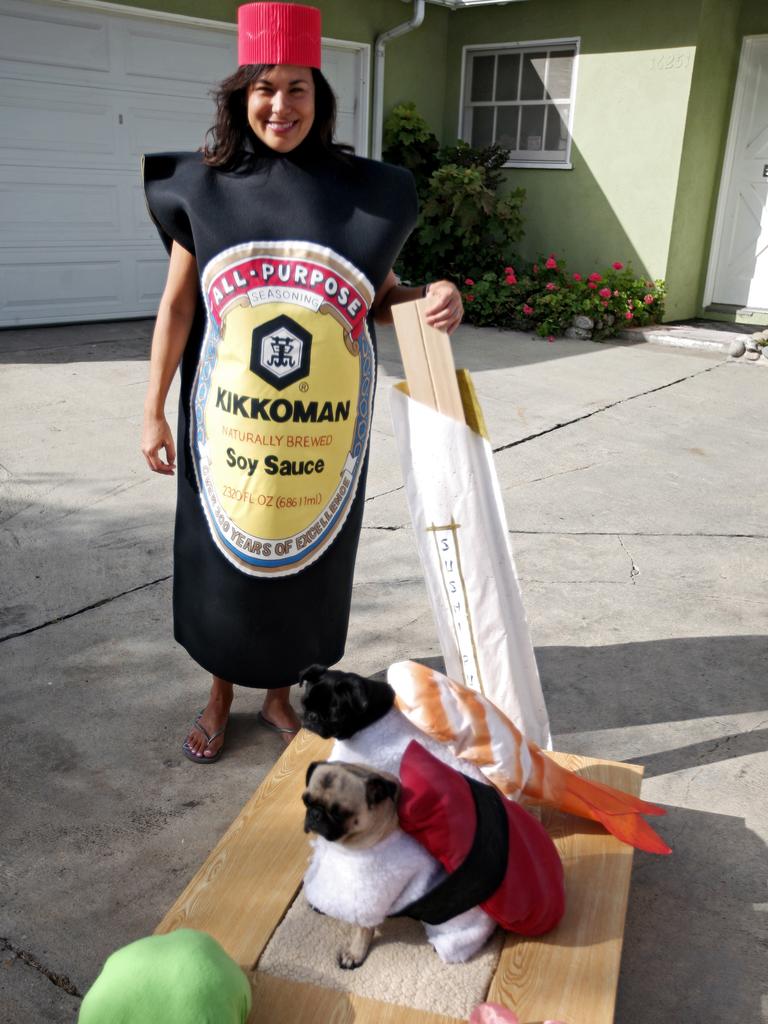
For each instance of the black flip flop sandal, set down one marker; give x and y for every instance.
(198, 758)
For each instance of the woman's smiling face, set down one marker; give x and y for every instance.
(281, 106)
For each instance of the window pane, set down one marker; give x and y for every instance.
(534, 65)
(556, 137)
(506, 127)
(560, 74)
(532, 127)
(482, 126)
(482, 78)
(507, 75)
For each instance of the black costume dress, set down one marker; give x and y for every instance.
(277, 385)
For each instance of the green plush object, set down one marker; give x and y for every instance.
(184, 977)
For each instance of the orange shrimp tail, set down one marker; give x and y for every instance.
(617, 811)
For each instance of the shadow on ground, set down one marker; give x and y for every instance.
(693, 921)
(130, 340)
(620, 685)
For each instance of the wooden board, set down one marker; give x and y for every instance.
(572, 973)
(427, 360)
(286, 1002)
(243, 889)
(245, 886)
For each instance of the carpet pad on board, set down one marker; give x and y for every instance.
(401, 967)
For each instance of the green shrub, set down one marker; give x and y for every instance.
(490, 158)
(467, 232)
(409, 142)
(544, 297)
(464, 225)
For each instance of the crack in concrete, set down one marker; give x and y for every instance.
(61, 981)
(81, 611)
(568, 423)
(391, 529)
(560, 472)
(383, 494)
(634, 570)
(605, 408)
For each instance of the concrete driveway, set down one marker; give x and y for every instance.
(634, 478)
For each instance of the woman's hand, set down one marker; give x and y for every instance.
(444, 308)
(156, 436)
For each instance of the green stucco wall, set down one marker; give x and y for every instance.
(709, 111)
(753, 18)
(633, 84)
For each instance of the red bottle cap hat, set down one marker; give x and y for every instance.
(271, 33)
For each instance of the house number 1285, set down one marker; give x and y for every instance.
(670, 61)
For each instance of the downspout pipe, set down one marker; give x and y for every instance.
(380, 45)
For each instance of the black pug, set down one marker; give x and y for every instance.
(339, 704)
(360, 714)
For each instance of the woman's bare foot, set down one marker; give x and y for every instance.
(213, 720)
(278, 713)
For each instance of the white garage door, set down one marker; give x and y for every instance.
(84, 91)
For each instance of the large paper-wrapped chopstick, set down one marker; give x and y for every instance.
(461, 529)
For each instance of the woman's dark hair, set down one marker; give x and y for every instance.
(230, 140)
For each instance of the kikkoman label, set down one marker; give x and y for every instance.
(281, 404)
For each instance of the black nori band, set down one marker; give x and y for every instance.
(481, 873)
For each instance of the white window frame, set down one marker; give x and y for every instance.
(518, 47)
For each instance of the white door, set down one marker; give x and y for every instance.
(84, 91)
(739, 266)
(345, 65)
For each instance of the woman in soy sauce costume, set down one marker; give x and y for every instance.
(281, 247)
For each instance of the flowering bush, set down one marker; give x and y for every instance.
(545, 297)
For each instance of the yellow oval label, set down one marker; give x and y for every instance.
(281, 403)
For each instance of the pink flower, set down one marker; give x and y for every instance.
(509, 270)
(647, 299)
(468, 280)
(591, 284)
(606, 293)
(594, 277)
(551, 287)
(535, 268)
(551, 263)
(577, 277)
(603, 304)
(527, 309)
(616, 291)
(617, 266)
(469, 298)
(627, 316)
(551, 338)
(511, 279)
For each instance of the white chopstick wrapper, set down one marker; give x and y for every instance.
(461, 534)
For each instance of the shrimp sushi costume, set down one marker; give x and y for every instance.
(277, 379)
(482, 736)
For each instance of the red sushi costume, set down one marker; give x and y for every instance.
(497, 855)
